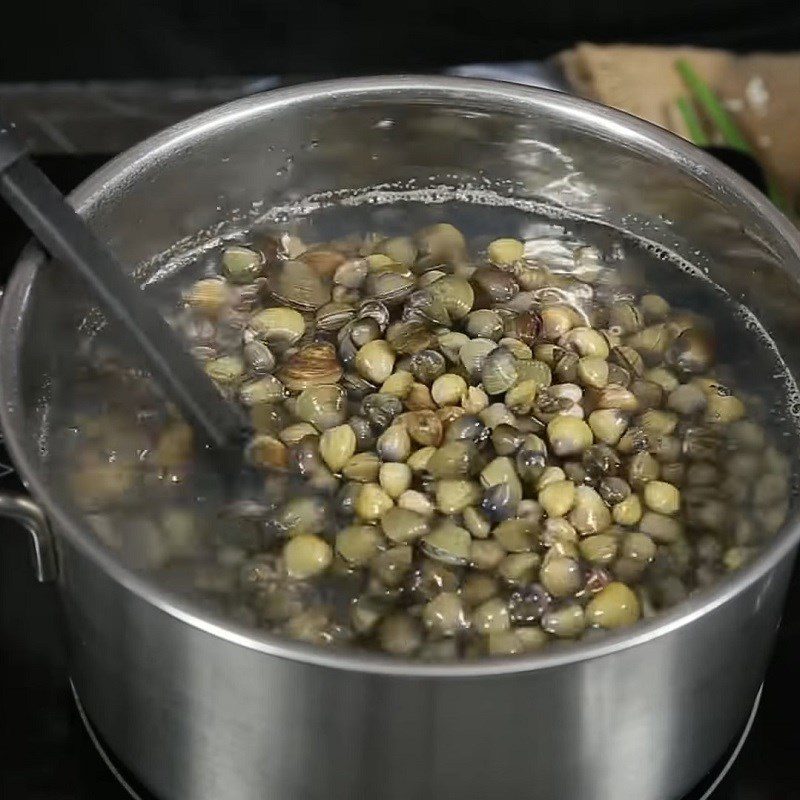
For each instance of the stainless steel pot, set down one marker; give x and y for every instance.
(202, 710)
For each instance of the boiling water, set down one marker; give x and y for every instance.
(169, 522)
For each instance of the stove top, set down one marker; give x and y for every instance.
(49, 754)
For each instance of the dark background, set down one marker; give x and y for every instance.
(176, 38)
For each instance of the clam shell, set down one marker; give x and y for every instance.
(407, 338)
(390, 287)
(374, 309)
(495, 284)
(351, 274)
(323, 261)
(499, 371)
(526, 327)
(356, 386)
(428, 365)
(323, 406)
(424, 306)
(473, 353)
(455, 294)
(299, 285)
(333, 316)
(312, 365)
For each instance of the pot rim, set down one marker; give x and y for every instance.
(639, 135)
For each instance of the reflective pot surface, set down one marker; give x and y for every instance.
(199, 709)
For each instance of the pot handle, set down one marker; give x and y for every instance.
(27, 513)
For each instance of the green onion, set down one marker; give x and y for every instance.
(729, 130)
(692, 121)
(710, 103)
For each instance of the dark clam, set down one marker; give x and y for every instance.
(526, 327)
(500, 502)
(495, 285)
(356, 386)
(377, 310)
(601, 461)
(365, 436)
(424, 306)
(526, 606)
(427, 366)
(467, 427)
(530, 464)
(381, 409)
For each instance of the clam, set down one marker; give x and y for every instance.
(439, 244)
(394, 444)
(241, 264)
(264, 390)
(362, 467)
(323, 261)
(473, 353)
(299, 285)
(424, 427)
(450, 345)
(692, 351)
(381, 409)
(225, 370)
(323, 406)
(469, 428)
(209, 295)
(375, 361)
(407, 338)
(267, 451)
(389, 287)
(424, 306)
(258, 357)
(333, 316)
(376, 310)
(400, 249)
(427, 366)
(365, 436)
(505, 251)
(519, 349)
(484, 323)
(627, 358)
(356, 386)
(361, 331)
(312, 365)
(499, 371)
(419, 398)
(454, 459)
(351, 274)
(336, 446)
(495, 284)
(448, 543)
(292, 434)
(532, 369)
(279, 326)
(455, 294)
(427, 278)
(269, 417)
(526, 327)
